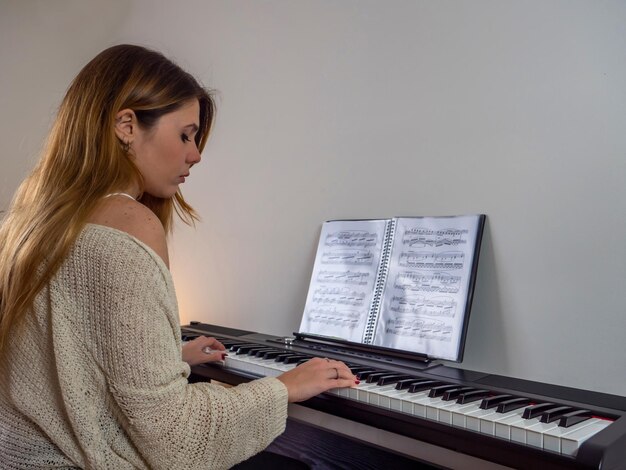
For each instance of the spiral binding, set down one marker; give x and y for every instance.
(381, 278)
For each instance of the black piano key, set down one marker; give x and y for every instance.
(512, 404)
(271, 354)
(302, 361)
(281, 357)
(261, 352)
(574, 417)
(406, 383)
(357, 369)
(391, 379)
(253, 351)
(474, 395)
(365, 373)
(245, 349)
(493, 401)
(236, 346)
(188, 336)
(371, 378)
(439, 390)
(555, 413)
(423, 385)
(296, 358)
(454, 393)
(536, 410)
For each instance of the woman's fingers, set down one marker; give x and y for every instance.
(213, 343)
(316, 376)
(213, 356)
(203, 349)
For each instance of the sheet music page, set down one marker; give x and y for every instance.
(427, 286)
(343, 278)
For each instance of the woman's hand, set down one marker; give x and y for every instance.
(194, 351)
(316, 376)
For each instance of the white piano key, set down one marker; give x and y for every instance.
(535, 433)
(488, 423)
(360, 392)
(571, 442)
(435, 408)
(396, 398)
(427, 407)
(411, 398)
(472, 419)
(446, 414)
(352, 392)
(552, 438)
(363, 392)
(503, 427)
(459, 417)
(384, 391)
(518, 430)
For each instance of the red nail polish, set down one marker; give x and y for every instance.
(224, 356)
(357, 382)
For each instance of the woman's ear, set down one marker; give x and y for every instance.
(125, 126)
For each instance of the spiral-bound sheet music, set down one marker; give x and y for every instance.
(404, 283)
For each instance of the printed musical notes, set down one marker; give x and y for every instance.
(400, 283)
(418, 328)
(338, 296)
(335, 317)
(344, 274)
(432, 260)
(352, 238)
(347, 257)
(431, 307)
(344, 277)
(441, 282)
(423, 305)
(421, 237)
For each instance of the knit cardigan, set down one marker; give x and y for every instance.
(94, 378)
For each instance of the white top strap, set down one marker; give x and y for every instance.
(120, 194)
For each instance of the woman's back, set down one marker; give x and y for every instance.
(98, 373)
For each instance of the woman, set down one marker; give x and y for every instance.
(93, 371)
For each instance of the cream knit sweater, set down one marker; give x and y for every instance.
(94, 377)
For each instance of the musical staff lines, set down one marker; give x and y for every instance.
(432, 260)
(338, 296)
(343, 277)
(357, 257)
(352, 238)
(332, 316)
(420, 328)
(428, 282)
(432, 307)
(422, 237)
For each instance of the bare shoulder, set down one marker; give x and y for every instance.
(134, 218)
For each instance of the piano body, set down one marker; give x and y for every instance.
(451, 417)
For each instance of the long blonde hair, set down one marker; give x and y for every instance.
(83, 161)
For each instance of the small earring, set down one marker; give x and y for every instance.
(126, 146)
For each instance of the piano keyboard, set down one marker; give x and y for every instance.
(539, 423)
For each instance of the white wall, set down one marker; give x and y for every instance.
(372, 109)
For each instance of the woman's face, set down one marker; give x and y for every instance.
(165, 153)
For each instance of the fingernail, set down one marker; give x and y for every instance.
(357, 382)
(224, 356)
